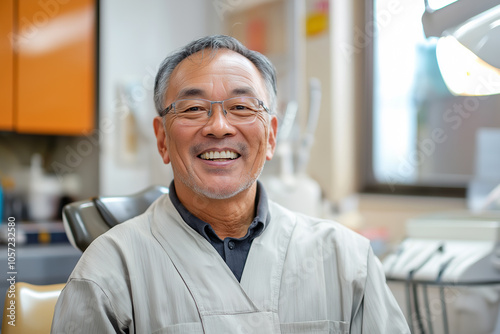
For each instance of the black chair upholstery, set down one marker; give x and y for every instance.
(86, 220)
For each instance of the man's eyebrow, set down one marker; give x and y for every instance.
(190, 92)
(244, 91)
(197, 92)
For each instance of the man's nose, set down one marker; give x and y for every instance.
(218, 126)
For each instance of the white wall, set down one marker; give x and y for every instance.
(135, 36)
(333, 156)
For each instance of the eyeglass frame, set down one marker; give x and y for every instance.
(165, 111)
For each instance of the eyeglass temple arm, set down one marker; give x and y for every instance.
(166, 110)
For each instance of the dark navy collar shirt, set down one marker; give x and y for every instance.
(234, 251)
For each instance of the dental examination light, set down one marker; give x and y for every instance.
(468, 49)
(445, 275)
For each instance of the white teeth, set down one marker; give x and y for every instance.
(219, 155)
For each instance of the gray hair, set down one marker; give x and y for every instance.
(214, 43)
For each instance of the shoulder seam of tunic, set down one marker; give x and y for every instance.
(360, 306)
(79, 279)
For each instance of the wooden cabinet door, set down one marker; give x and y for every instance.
(6, 64)
(55, 50)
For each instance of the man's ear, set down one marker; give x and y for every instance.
(161, 139)
(271, 140)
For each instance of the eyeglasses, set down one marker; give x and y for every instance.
(196, 112)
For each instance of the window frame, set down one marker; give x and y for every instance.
(369, 184)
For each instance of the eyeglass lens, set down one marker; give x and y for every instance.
(238, 110)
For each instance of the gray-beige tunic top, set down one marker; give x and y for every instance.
(155, 274)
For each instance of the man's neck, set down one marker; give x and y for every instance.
(228, 217)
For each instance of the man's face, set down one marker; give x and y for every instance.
(189, 148)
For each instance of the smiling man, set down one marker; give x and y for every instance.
(215, 255)
(217, 132)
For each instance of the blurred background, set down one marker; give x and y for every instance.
(368, 126)
(371, 134)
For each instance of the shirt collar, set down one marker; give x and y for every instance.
(258, 225)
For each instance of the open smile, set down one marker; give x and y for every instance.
(219, 155)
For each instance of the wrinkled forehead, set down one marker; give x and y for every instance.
(215, 60)
(211, 67)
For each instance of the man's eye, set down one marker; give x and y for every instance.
(240, 107)
(193, 109)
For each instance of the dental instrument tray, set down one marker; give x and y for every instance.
(446, 274)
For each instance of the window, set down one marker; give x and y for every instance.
(423, 137)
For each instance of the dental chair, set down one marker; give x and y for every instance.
(32, 310)
(86, 220)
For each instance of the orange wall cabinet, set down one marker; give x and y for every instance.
(6, 64)
(54, 66)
